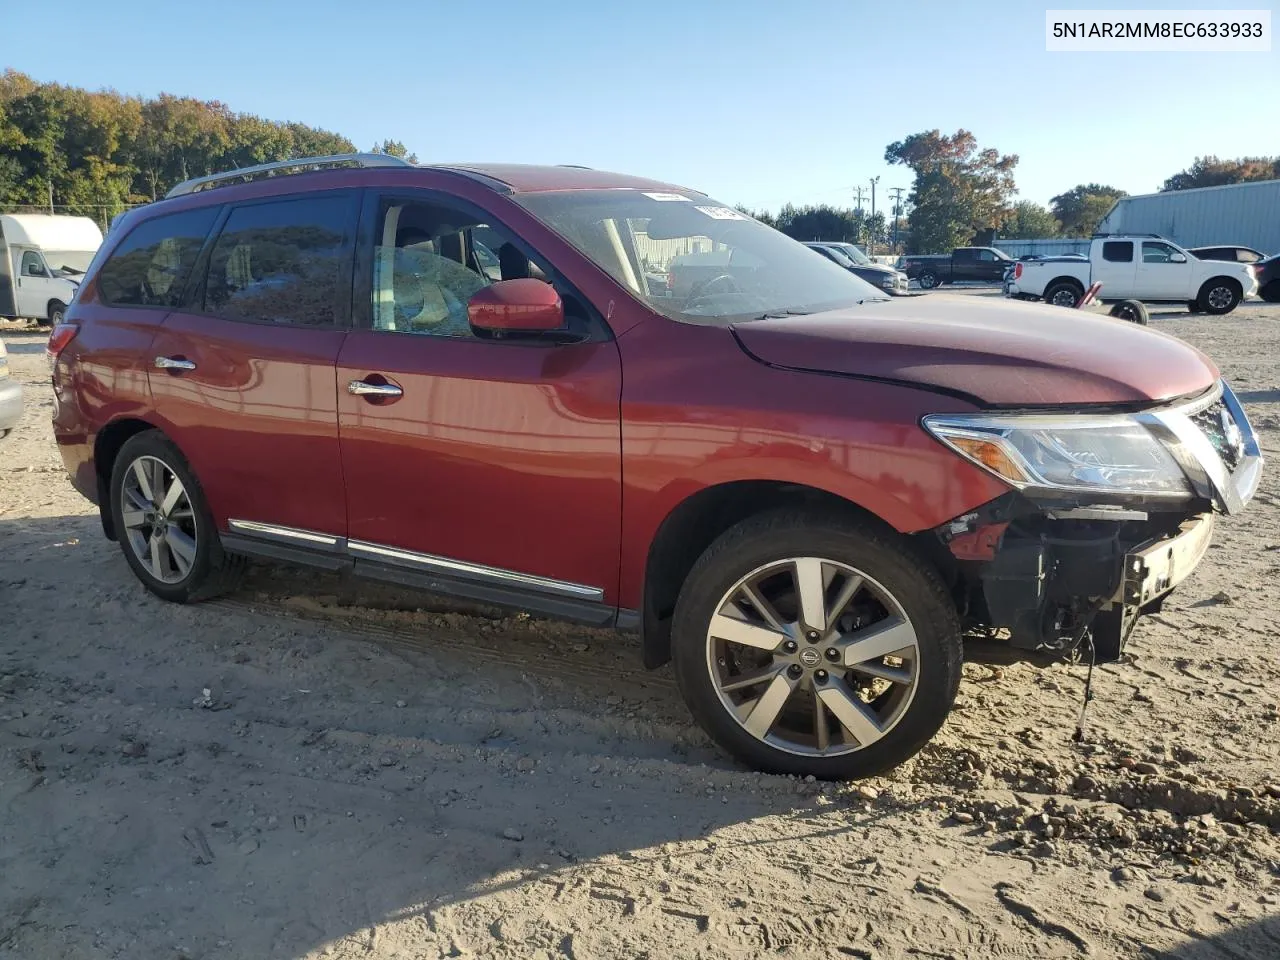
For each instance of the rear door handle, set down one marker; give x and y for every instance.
(174, 363)
(362, 388)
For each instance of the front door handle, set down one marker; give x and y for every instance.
(174, 363)
(362, 388)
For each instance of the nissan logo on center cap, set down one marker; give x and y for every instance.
(809, 657)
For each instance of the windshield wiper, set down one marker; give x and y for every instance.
(780, 314)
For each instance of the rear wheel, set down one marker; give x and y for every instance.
(928, 280)
(1271, 292)
(1135, 311)
(1064, 293)
(164, 525)
(1220, 295)
(814, 644)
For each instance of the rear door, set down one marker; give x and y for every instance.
(964, 263)
(1163, 272)
(494, 463)
(245, 369)
(1112, 264)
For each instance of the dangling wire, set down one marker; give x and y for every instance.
(1088, 688)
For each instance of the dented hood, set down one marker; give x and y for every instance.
(1004, 353)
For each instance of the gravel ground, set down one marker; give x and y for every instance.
(315, 767)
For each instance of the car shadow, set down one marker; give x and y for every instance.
(1259, 940)
(1258, 396)
(269, 778)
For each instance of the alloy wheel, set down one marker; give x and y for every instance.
(813, 657)
(158, 519)
(1219, 298)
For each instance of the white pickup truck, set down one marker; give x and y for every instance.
(1135, 267)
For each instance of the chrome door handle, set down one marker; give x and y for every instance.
(171, 363)
(361, 388)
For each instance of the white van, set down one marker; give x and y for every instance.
(42, 258)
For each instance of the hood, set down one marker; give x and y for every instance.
(876, 268)
(1000, 353)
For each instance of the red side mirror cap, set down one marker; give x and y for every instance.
(516, 306)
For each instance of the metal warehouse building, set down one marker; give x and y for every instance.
(1245, 214)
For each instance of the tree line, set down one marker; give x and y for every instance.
(95, 153)
(961, 191)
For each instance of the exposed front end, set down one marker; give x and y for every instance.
(1107, 515)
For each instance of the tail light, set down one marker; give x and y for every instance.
(61, 335)
(1017, 271)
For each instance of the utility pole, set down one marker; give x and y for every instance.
(874, 181)
(858, 193)
(51, 196)
(897, 211)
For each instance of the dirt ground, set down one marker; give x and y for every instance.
(317, 768)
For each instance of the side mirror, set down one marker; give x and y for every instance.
(1177, 258)
(516, 306)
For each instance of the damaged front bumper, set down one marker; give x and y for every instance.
(1042, 577)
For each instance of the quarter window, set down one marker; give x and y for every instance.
(151, 265)
(283, 262)
(1118, 251)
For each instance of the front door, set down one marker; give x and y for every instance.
(492, 463)
(245, 368)
(34, 285)
(1163, 273)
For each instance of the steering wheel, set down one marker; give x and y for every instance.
(703, 290)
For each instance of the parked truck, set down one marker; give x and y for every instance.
(963, 264)
(1142, 267)
(42, 258)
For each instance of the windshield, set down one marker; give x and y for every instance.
(692, 259)
(854, 254)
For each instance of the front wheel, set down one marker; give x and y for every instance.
(1220, 295)
(163, 523)
(815, 644)
(928, 280)
(56, 311)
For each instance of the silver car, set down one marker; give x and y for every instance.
(10, 395)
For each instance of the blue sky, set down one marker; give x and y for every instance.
(754, 102)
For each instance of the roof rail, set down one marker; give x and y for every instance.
(300, 165)
(1126, 233)
(574, 166)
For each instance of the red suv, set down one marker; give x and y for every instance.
(800, 491)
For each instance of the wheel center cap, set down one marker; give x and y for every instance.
(810, 657)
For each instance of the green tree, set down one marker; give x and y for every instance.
(1212, 172)
(959, 188)
(396, 149)
(1029, 221)
(1082, 207)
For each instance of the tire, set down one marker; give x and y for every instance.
(1271, 292)
(1063, 293)
(197, 570)
(928, 280)
(1219, 296)
(54, 314)
(1135, 311)
(770, 551)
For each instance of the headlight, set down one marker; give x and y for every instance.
(1066, 454)
(888, 282)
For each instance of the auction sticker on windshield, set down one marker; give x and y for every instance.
(721, 213)
(666, 196)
